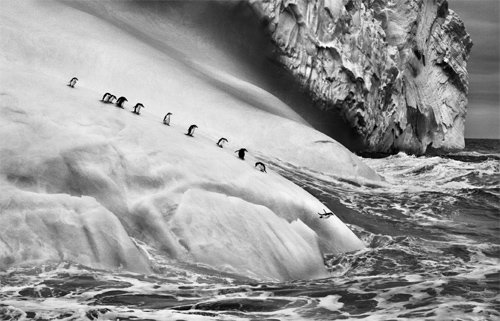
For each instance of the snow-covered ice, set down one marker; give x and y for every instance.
(80, 179)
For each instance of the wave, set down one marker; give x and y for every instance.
(438, 173)
(473, 157)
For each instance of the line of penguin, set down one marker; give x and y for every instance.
(109, 98)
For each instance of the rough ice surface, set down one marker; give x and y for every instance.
(395, 70)
(80, 179)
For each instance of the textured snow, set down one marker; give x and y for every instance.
(79, 179)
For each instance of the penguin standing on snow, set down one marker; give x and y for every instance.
(72, 82)
(111, 99)
(137, 108)
(166, 119)
(191, 130)
(106, 97)
(261, 167)
(120, 101)
(221, 142)
(241, 153)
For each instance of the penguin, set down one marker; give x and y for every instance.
(191, 130)
(325, 214)
(166, 119)
(137, 108)
(261, 167)
(120, 101)
(110, 99)
(72, 82)
(221, 142)
(106, 97)
(241, 153)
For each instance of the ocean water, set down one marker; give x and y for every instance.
(432, 231)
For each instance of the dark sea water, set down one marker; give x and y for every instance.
(432, 231)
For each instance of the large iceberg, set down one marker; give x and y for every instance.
(395, 70)
(80, 180)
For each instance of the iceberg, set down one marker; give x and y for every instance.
(81, 180)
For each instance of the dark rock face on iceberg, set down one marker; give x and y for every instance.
(395, 70)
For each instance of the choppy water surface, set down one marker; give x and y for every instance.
(433, 236)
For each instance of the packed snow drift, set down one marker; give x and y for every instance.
(86, 181)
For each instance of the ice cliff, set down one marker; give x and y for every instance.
(85, 181)
(395, 70)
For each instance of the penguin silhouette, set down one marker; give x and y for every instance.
(325, 214)
(120, 101)
(137, 108)
(261, 167)
(221, 142)
(106, 97)
(111, 99)
(166, 119)
(241, 153)
(191, 130)
(72, 82)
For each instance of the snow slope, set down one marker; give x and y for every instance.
(79, 178)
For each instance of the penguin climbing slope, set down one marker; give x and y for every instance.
(72, 82)
(241, 153)
(137, 108)
(120, 101)
(191, 130)
(261, 167)
(106, 97)
(166, 119)
(221, 142)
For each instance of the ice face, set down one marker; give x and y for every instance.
(251, 239)
(41, 227)
(80, 179)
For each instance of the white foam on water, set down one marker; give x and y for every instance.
(330, 302)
